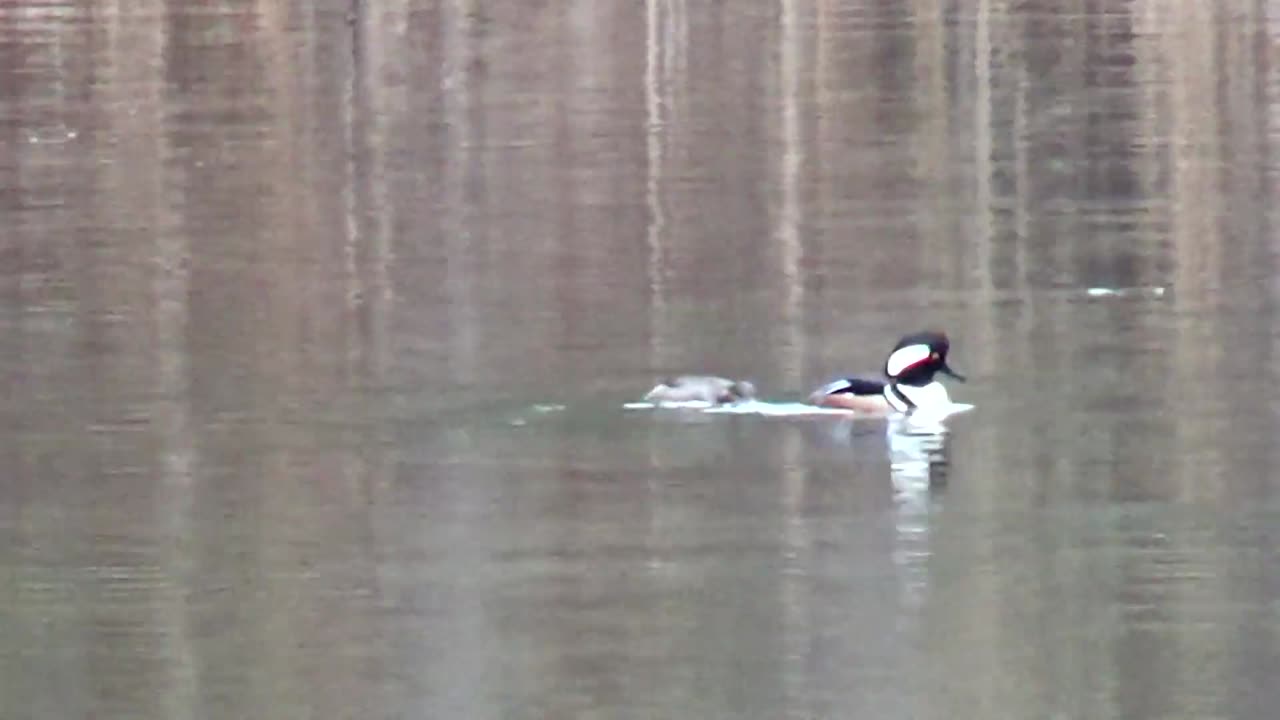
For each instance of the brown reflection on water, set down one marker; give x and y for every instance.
(317, 318)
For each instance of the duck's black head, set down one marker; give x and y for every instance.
(918, 357)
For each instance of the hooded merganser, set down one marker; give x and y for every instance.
(909, 382)
(701, 388)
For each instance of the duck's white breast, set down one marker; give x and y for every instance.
(933, 395)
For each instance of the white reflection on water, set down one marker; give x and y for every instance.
(918, 465)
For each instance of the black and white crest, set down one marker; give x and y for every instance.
(918, 357)
(906, 358)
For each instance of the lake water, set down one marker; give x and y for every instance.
(317, 320)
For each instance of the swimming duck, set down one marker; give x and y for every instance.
(704, 388)
(909, 371)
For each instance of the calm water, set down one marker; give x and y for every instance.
(316, 320)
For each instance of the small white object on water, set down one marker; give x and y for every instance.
(1152, 291)
(536, 409)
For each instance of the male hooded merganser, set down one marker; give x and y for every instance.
(909, 370)
(701, 388)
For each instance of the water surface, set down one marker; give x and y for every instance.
(317, 319)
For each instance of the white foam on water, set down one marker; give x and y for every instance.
(666, 405)
(769, 409)
(1148, 291)
(747, 407)
(786, 409)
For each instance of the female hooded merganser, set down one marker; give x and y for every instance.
(909, 370)
(701, 388)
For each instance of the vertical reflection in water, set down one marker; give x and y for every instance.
(918, 465)
(978, 342)
(791, 350)
(797, 622)
(132, 190)
(677, 47)
(459, 680)
(368, 104)
(380, 33)
(983, 130)
(355, 136)
(820, 63)
(177, 449)
(655, 89)
(997, 357)
(1197, 257)
(797, 574)
(932, 155)
(45, 667)
(172, 415)
(656, 65)
(1268, 110)
(460, 91)
(385, 100)
(373, 101)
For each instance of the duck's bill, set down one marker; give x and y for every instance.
(946, 370)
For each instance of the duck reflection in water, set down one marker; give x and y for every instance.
(919, 457)
(917, 448)
(919, 462)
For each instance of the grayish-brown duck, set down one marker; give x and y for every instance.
(704, 388)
